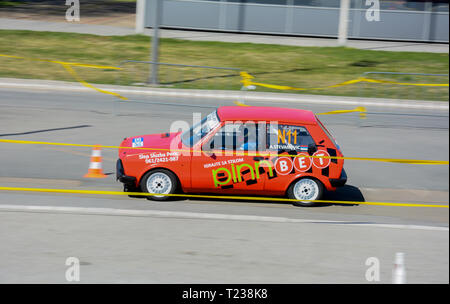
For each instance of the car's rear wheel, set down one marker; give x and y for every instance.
(159, 181)
(305, 190)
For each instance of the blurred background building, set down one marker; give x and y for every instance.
(398, 19)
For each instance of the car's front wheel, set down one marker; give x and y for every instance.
(305, 190)
(159, 181)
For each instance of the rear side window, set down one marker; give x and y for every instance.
(325, 130)
(288, 138)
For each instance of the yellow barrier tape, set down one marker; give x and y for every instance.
(237, 153)
(250, 198)
(68, 67)
(247, 81)
(238, 103)
(362, 110)
(357, 109)
(88, 85)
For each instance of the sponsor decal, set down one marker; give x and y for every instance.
(223, 176)
(288, 147)
(137, 142)
(321, 163)
(304, 163)
(237, 172)
(283, 165)
(223, 163)
(158, 157)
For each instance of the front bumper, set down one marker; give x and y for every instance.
(121, 177)
(339, 182)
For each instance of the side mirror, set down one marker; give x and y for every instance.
(312, 148)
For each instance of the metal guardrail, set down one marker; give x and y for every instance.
(135, 72)
(398, 73)
(139, 73)
(414, 92)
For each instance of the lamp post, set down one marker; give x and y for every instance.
(157, 14)
(343, 22)
(140, 16)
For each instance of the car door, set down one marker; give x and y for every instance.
(229, 162)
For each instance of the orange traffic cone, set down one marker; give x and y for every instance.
(95, 166)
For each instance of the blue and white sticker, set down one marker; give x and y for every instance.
(138, 142)
(303, 148)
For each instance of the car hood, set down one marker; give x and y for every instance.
(137, 144)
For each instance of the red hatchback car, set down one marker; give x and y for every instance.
(237, 150)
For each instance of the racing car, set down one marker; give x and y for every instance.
(234, 150)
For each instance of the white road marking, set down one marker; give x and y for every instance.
(205, 216)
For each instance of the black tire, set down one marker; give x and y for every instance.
(172, 187)
(314, 183)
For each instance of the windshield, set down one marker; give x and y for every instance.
(199, 130)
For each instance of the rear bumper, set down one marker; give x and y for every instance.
(339, 182)
(121, 177)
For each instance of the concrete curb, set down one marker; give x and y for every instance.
(222, 94)
(203, 216)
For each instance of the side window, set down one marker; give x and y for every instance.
(288, 138)
(237, 136)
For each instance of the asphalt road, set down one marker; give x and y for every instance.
(221, 240)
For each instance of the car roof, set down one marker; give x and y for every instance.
(240, 113)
